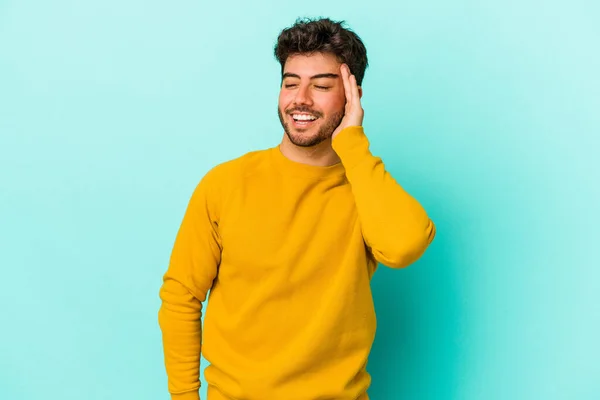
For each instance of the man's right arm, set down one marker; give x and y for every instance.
(192, 268)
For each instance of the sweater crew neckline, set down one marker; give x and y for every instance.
(298, 169)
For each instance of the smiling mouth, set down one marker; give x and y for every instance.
(303, 120)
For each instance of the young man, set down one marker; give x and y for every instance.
(287, 240)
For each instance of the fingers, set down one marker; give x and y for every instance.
(355, 91)
(346, 81)
(350, 85)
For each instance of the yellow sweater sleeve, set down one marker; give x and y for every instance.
(192, 268)
(395, 226)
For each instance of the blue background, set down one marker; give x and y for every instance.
(487, 112)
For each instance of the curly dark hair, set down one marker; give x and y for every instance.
(323, 36)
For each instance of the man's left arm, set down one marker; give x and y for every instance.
(394, 225)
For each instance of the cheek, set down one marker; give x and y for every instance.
(336, 103)
(284, 100)
(341, 98)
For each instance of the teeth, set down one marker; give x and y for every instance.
(303, 117)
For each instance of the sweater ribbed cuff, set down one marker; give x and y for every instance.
(186, 396)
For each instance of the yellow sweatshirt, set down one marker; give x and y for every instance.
(287, 251)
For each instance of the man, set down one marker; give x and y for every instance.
(287, 240)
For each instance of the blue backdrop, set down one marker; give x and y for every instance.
(487, 112)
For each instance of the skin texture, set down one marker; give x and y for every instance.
(317, 84)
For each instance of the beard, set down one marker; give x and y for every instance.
(325, 131)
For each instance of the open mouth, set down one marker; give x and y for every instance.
(303, 120)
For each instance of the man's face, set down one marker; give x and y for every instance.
(311, 99)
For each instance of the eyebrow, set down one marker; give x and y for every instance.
(318, 76)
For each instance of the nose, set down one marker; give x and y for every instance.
(303, 96)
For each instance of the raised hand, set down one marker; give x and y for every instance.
(354, 112)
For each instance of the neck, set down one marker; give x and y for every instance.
(320, 155)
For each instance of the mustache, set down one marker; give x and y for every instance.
(304, 109)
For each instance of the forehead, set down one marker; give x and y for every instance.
(311, 64)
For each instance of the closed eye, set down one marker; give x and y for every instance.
(293, 85)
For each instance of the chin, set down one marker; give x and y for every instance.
(304, 140)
